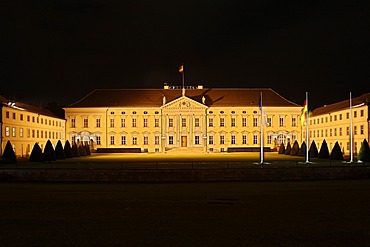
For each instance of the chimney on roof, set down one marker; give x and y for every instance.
(165, 86)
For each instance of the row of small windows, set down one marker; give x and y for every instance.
(337, 131)
(335, 117)
(197, 138)
(112, 121)
(34, 119)
(31, 133)
(232, 112)
(134, 112)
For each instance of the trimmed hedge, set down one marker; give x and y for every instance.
(364, 153)
(302, 150)
(313, 152)
(295, 149)
(59, 151)
(9, 155)
(68, 150)
(36, 154)
(288, 148)
(336, 152)
(49, 152)
(282, 149)
(324, 151)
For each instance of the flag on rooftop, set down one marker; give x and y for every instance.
(181, 69)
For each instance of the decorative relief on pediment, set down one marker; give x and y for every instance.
(184, 103)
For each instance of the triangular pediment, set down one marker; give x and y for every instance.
(184, 103)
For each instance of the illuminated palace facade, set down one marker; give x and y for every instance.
(333, 123)
(24, 125)
(196, 119)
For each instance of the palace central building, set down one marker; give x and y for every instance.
(196, 119)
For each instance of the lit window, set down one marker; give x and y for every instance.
(134, 122)
(170, 122)
(196, 140)
(123, 123)
(156, 122)
(244, 139)
(222, 122)
(98, 141)
(233, 139)
(145, 122)
(21, 132)
(7, 131)
(196, 122)
(111, 140)
(210, 122)
(244, 122)
(134, 140)
(222, 139)
(156, 140)
(123, 140)
(183, 122)
(170, 140)
(210, 140)
(98, 123)
(112, 122)
(233, 122)
(86, 123)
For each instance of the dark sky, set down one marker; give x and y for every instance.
(54, 50)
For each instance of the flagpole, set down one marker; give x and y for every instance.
(307, 128)
(261, 128)
(350, 127)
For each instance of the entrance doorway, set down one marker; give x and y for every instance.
(184, 141)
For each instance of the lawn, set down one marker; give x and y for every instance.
(294, 213)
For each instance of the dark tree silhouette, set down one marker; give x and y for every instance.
(68, 150)
(82, 149)
(87, 149)
(75, 150)
(281, 149)
(59, 151)
(49, 152)
(9, 155)
(288, 148)
(364, 153)
(302, 150)
(36, 154)
(313, 152)
(336, 152)
(295, 149)
(324, 151)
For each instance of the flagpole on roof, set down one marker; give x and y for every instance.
(181, 70)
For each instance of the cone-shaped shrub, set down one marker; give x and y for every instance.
(324, 151)
(49, 152)
(81, 149)
(68, 150)
(336, 152)
(87, 148)
(36, 154)
(313, 152)
(288, 148)
(302, 150)
(282, 149)
(295, 149)
(364, 154)
(75, 151)
(9, 155)
(59, 151)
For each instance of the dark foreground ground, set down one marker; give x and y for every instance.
(295, 213)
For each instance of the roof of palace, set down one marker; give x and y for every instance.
(341, 105)
(214, 97)
(30, 108)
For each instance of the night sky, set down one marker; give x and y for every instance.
(53, 50)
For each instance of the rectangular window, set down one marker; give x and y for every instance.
(269, 121)
(86, 123)
(13, 131)
(42, 134)
(111, 122)
(196, 140)
(123, 140)
(7, 131)
(294, 121)
(347, 131)
(134, 140)
(21, 117)
(281, 122)
(355, 130)
(233, 139)
(196, 122)
(145, 122)
(355, 114)
(183, 122)
(73, 123)
(33, 133)
(37, 133)
(98, 123)
(146, 140)
(210, 122)
(111, 140)
(14, 115)
(28, 133)
(269, 139)
(170, 140)
(222, 122)
(156, 140)
(210, 140)
(362, 113)
(255, 122)
(123, 122)
(255, 139)
(134, 122)
(156, 122)
(244, 139)
(7, 114)
(222, 139)
(244, 122)
(28, 118)
(21, 132)
(361, 129)
(98, 142)
(33, 119)
(233, 124)
(340, 116)
(340, 131)
(170, 122)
